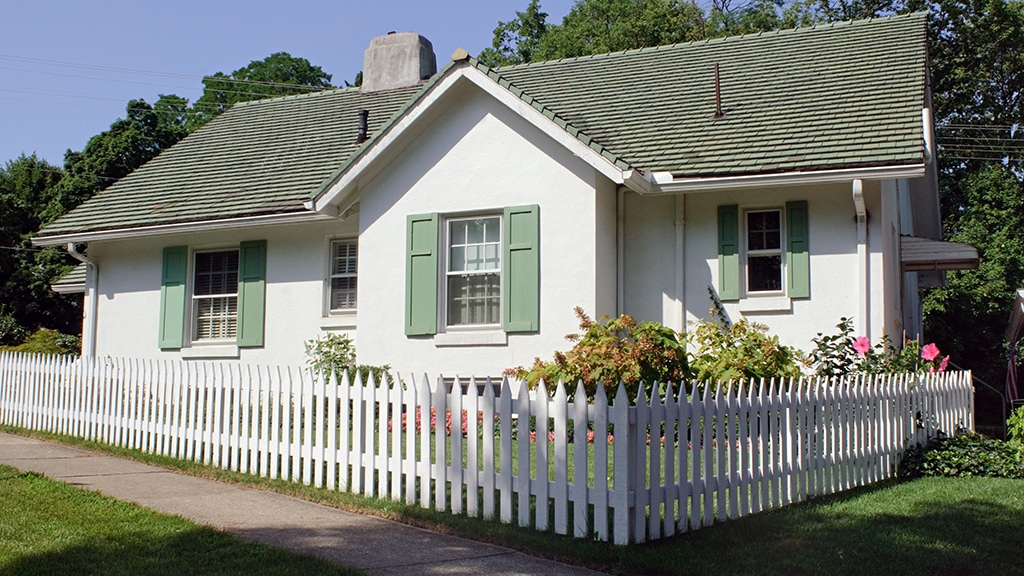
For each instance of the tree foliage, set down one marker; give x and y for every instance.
(279, 74)
(27, 196)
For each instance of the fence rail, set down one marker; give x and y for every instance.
(616, 469)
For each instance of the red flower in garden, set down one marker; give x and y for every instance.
(930, 352)
(862, 345)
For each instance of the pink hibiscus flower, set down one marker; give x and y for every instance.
(930, 352)
(862, 345)
(944, 364)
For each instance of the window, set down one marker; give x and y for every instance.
(344, 263)
(775, 252)
(215, 295)
(473, 275)
(473, 271)
(227, 300)
(764, 251)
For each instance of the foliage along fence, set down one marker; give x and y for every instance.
(611, 470)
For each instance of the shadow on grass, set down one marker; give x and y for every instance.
(930, 526)
(198, 551)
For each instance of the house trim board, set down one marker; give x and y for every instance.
(182, 228)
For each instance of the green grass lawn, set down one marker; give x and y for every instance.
(927, 526)
(49, 527)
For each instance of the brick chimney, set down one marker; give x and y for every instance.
(397, 60)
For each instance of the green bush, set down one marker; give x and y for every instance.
(610, 351)
(965, 455)
(46, 341)
(337, 353)
(1015, 430)
(726, 352)
(11, 333)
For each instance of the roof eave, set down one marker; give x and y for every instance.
(179, 228)
(666, 183)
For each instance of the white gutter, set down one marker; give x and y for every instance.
(864, 312)
(927, 129)
(90, 303)
(181, 228)
(665, 183)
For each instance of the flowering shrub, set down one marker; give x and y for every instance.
(842, 354)
(610, 351)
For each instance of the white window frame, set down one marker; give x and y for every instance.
(332, 275)
(748, 253)
(195, 299)
(446, 249)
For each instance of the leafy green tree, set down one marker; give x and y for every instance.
(598, 26)
(27, 187)
(967, 318)
(517, 41)
(111, 155)
(279, 74)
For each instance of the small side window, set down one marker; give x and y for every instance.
(344, 266)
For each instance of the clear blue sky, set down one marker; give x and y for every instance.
(68, 67)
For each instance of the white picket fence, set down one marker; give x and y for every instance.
(656, 466)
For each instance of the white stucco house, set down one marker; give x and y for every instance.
(451, 220)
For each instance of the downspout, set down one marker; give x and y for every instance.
(90, 303)
(680, 225)
(620, 251)
(927, 128)
(864, 311)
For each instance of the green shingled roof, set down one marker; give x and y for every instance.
(72, 281)
(258, 158)
(844, 95)
(839, 96)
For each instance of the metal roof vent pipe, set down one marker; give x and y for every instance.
(397, 60)
(718, 95)
(364, 116)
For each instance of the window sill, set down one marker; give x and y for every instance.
(339, 320)
(471, 338)
(766, 304)
(210, 351)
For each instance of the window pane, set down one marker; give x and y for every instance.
(474, 231)
(344, 257)
(457, 259)
(764, 230)
(343, 293)
(474, 299)
(216, 273)
(764, 273)
(216, 317)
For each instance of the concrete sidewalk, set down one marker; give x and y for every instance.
(372, 544)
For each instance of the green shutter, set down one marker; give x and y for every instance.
(798, 262)
(421, 275)
(252, 290)
(522, 269)
(729, 252)
(172, 297)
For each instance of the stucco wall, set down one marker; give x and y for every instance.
(478, 158)
(650, 259)
(129, 289)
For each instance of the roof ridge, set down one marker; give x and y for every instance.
(294, 96)
(706, 41)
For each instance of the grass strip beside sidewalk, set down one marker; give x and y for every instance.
(49, 527)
